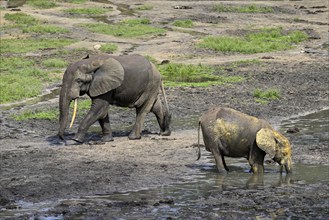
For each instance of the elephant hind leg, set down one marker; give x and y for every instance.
(141, 113)
(163, 117)
(219, 159)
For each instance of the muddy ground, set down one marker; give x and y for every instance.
(37, 167)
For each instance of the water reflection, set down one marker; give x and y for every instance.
(314, 128)
(199, 194)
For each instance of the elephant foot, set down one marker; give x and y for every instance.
(133, 136)
(72, 142)
(78, 138)
(165, 133)
(107, 138)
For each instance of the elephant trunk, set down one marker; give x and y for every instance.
(288, 166)
(64, 105)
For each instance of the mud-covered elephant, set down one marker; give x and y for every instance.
(126, 81)
(227, 132)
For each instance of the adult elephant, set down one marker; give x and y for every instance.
(227, 132)
(126, 81)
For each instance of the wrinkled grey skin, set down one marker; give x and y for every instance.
(227, 132)
(126, 81)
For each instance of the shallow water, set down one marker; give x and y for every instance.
(313, 128)
(197, 195)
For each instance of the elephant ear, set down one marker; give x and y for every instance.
(106, 78)
(265, 140)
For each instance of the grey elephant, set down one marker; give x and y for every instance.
(227, 132)
(126, 81)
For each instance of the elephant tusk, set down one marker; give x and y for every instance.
(74, 111)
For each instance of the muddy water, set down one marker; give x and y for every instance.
(313, 128)
(206, 194)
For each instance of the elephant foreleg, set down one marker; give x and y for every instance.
(106, 128)
(97, 111)
(256, 160)
(163, 117)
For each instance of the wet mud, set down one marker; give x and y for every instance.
(158, 177)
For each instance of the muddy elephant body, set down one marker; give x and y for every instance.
(227, 132)
(126, 81)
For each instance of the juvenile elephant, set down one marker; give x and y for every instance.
(227, 132)
(126, 81)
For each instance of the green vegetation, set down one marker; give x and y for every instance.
(193, 75)
(183, 23)
(51, 114)
(37, 114)
(86, 11)
(43, 29)
(264, 40)
(242, 9)
(151, 59)
(23, 78)
(27, 45)
(128, 28)
(29, 24)
(109, 48)
(21, 18)
(14, 87)
(76, 1)
(54, 63)
(43, 4)
(266, 96)
(144, 7)
(83, 105)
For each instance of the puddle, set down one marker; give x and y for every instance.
(198, 194)
(313, 128)
(180, 200)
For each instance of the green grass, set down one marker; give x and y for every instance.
(14, 63)
(21, 18)
(242, 9)
(29, 24)
(193, 75)
(43, 29)
(144, 7)
(29, 45)
(51, 114)
(264, 96)
(128, 28)
(76, 1)
(54, 63)
(133, 22)
(23, 78)
(42, 4)
(86, 11)
(151, 59)
(83, 105)
(109, 48)
(37, 114)
(183, 23)
(264, 40)
(15, 87)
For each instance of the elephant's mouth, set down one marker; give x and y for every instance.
(74, 112)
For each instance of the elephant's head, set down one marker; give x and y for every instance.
(276, 145)
(94, 76)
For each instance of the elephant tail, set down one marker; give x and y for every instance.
(199, 153)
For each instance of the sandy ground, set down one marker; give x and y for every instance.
(36, 166)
